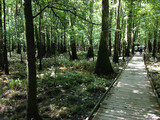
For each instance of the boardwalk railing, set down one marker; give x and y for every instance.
(150, 77)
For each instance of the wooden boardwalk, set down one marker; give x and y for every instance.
(132, 98)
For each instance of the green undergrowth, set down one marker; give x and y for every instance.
(71, 93)
(65, 89)
(64, 61)
(17, 84)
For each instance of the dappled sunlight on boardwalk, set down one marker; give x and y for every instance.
(132, 98)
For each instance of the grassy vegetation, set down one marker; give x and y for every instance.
(66, 89)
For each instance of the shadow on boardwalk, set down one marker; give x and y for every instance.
(132, 98)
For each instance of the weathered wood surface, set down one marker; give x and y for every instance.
(132, 98)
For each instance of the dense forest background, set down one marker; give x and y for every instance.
(73, 50)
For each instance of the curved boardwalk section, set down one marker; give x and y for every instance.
(132, 98)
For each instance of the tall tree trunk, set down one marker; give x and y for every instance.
(155, 44)
(1, 38)
(40, 43)
(134, 39)
(9, 44)
(133, 33)
(16, 30)
(37, 40)
(90, 53)
(123, 35)
(158, 46)
(110, 31)
(116, 44)
(44, 43)
(103, 65)
(120, 41)
(65, 46)
(48, 54)
(18, 48)
(9, 34)
(12, 44)
(5, 41)
(149, 42)
(159, 42)
(55, 44)
(73, 49)
(129, 29)
(72, 39)
(32, 109)
(149, 46)
(83, 44)
(53, 49)
(61, 45)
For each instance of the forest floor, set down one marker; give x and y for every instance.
(66, 89)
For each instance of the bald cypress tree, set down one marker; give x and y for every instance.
(103, 65)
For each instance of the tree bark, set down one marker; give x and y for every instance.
(116, 44)
(43, 43)
(12, 44)
(149, 46)
(40, 54)
(123, 36)
(149, 42)
(159, 42)
(65, 46)
(61, 44)
(32, 109)
(72, 40)
(48, 53)
(90, 53)
(155, 44)
(103, 65)
(1, 38)
(110, 31)
(134, 39)
(129, 29)
(83, 44)
(5, 41)
(37, 40)
(53, 46)
(9, 40)
(134, 33)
